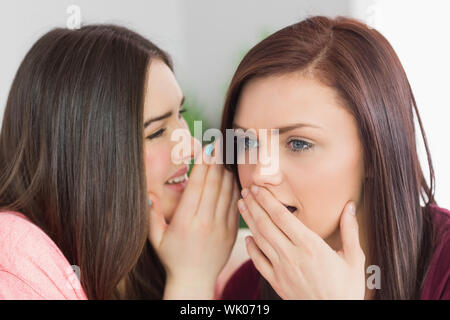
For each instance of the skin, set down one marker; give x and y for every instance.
(164, 95)
(192, 230)
(320, 172)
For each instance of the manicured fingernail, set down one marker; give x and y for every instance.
(254, 189)
(241, 205)
(244, 193)
(150, 202)
(209, 149)
(351, 209)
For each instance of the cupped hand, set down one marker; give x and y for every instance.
(297, 262)
(196, 244)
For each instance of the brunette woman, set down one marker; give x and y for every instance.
(88, 177)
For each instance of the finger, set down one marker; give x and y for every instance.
(262, 264)
(212, 152)
(190, 200)
(157, 222)
(260, 240)
(225, 196)
(266, 227)
(351, 246)
(211, 192)
(289, 224)
(233, 211)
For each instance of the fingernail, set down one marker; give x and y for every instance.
(247, 240)
(209, 149)
(351, 209)
(244, 193)
(241, 205)
(150, 202)
(254, 189)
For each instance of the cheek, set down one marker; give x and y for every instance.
(157, 161)
(324, 187)
(245, 175)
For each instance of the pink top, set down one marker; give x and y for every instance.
(31, 265)
(244, 284)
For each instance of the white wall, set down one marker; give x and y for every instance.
(218, 33)
(22, 22)
(206, 38)
(419, 31)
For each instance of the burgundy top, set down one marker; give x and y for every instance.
(244, 284)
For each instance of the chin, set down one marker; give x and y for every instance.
(168, 215)
(170, 206)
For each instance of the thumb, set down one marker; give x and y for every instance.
(157, 222)
(351, 246)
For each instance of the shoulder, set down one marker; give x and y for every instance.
(20, 238)
(441, 220)
(31, 264)
(437, 282)
(244, 284)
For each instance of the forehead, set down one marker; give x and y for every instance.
(162, 92)
(274, 101)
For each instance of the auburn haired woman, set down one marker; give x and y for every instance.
(349, 213)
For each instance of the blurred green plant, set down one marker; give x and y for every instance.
(194, 113)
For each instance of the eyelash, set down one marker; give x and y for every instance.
(181, 112)
(156, 134)
(161, 131)
(306, 145)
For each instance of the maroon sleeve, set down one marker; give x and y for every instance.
(437, 283)
(243, 284)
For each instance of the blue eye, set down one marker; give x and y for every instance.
(299, 145)
(250, 143)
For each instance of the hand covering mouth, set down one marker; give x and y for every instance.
(292, 209)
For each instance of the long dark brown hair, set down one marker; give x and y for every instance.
(71, 154)
(362, 67)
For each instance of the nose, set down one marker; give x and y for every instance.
(187, 149)
(267, 170)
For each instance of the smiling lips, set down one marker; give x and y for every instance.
(178, 180)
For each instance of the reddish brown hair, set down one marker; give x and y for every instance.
(360, 64)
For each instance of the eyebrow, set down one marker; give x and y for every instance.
(161, 117)
(286, 128)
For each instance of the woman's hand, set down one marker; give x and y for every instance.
(197, 243)
(297, 262)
